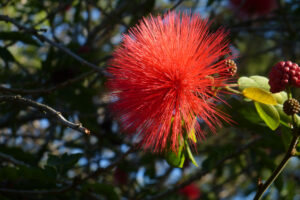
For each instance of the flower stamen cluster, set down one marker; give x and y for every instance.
(159, 79)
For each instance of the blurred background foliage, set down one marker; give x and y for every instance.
(41, 159)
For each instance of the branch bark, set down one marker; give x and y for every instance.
(45, 90)
(290, 153)
(42, 38)
(44, 108)
(198, 175)
(11, 159)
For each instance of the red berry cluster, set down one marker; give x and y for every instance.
(284, 74)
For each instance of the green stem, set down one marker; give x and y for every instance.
(291, 152)
(289, 93)
(233, 85)
(232, 90)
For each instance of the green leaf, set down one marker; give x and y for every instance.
(261, 81)
(259, 95)
(192, 135)
(190, 154)
(176, 160)
(104, 190)
(63, 163)
(253, 81)
(269, 114)
(28, 177)
(18, 36)
(280, 97)
(245, 82)
(19, 154)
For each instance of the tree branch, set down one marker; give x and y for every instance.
(11, 159)
(44, 108)
(36, 192)
(198, 175)
(111, 166)
(76, 181)
(291, 151)
(45, 90)
(42, 38)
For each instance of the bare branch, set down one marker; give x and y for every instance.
(176, 5)
(75, 182)
(42, 38)
(36, 192)
(198, 175)
(11, 159)
(45, 108)
(45, 90)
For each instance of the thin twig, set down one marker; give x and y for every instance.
(42, 38)
(291, 151)
(111, 166)
(11, 159)
(45, 90)
(232, 90)
(198, 175)
(44, 108)
(176, 4)
(36, 192)
(74, 184)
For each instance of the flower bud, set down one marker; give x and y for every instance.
(291, 106)
(231, 67)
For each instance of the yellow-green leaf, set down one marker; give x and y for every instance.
(269, 114)
(176, 159)
(259, 95)
(190, 154)
(280, 97)
(192, 135)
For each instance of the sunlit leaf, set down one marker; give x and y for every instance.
(261, 81)
(269, 114)
(245, 82)
(190, 154)
(280, 97)
(259, 95)
(253, 81)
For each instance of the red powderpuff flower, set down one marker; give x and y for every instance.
(191, 192)
(254, 7)
(162, 78)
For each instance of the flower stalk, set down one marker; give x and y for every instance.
(292, 151)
